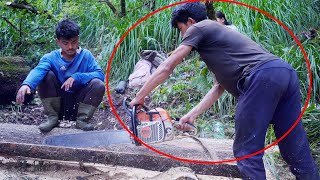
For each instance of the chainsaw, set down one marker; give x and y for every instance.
(152, 126)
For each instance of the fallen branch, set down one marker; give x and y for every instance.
(142, 5)
(23, 6)
(113, 9)
(28, 7)
(10, 23)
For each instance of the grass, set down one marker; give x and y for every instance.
(154, 33)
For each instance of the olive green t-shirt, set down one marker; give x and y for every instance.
(227, 53)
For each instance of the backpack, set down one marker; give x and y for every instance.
(148, 63)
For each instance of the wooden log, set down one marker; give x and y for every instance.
(25, 141)
(148, 162)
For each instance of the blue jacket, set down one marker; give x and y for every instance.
(83, 68)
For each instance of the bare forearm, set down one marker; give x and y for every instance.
(211, 97)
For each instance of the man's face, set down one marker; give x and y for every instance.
(183, 27)
(69, 47)
(220, 20)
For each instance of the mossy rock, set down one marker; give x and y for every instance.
(13, 70)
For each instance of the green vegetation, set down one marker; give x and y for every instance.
(299, 17)
(30, 35)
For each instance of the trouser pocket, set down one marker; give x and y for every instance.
(242, 84)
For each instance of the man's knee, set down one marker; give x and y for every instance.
(49, 86)
(49, 77)
(98, 85)
(48, 80)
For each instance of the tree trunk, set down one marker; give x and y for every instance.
(210, 10)
(123, 8)
(153, 5)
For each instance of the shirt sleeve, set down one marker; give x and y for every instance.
(38, 73)
(192, 37)
(93, 71)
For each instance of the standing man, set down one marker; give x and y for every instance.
(70, 69)
(267, 89)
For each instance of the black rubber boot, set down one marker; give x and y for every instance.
(85, 113)
(51, 109)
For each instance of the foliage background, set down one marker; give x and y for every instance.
(32, 34)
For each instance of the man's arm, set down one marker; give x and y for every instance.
(37, 74)
(211, 97)
(93, 71)
(162, 73)
(33, 79)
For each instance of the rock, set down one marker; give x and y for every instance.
(13, 71)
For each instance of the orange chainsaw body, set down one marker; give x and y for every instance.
(155, 125)
(162, 115)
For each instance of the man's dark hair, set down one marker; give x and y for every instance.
(220, 15)
(67, 29)
(196, 11)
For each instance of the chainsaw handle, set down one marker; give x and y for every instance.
(193, 128)
(134, 123)
(127, 108)
(132, 112)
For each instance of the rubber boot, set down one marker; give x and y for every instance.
(51, 109)
(85, 113)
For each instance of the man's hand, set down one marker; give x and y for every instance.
(136, 101)
(208, 100)
(67, 84)
(184, 123)
(24, 89)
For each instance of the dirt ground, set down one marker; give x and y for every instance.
(32, 114)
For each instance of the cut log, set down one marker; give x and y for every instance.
(13, 142)
(13, 70)
(111, 157)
